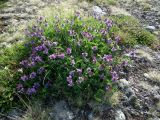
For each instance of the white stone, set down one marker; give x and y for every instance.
(98, 10)
(150, 28)
(119, 115)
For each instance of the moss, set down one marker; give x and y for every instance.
(131, 31)
(115, 98)
(104, 2)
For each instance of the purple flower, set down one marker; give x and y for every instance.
(32, 64)
(46, 24)
(72, 33)
(125, 63)
(38, 59)
(103, 31)
(70, 81)
(53, 56)
(40, 70)
(94, 48)
(87, 35)
(45, 51)
(79, 71)
(61, 56)
(107, 58)
(84, 54)
(19, 87)
(113, 49)
(89, 71)
(117, 39)
(38, 48)
(69, 51)
(24, 78)
(24, 63)
(44, 46)
(132, 54)
(33, 75)
(31, 91)
(77, 14)
(109, 41)
(36, 85)
(108, 23)
(94, 59)
(107, 87)
(114, 75)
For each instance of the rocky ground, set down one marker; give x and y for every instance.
(140, 92)
(15, 17)
(147, 11)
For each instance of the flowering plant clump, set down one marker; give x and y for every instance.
(75, 58)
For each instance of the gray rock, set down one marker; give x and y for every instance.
(15, 114)
(90, 116)
(61, 111)
(151, 28)
(98, 11)
(156, 118)
(129, 92)
(123, 83)
(156, 97)
(119, 115)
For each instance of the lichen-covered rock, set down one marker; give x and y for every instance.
(61, 111)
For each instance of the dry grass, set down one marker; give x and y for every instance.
(153, 75)
(36, 112)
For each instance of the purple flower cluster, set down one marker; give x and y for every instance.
(32, 75)
(107, 58)
(103, 31)
(31, 91)
(53, 56)
(69, 51)
(88, 35)
(24, 78)
(61, 56)
(79, 71)
(114, 76)
(108, 22)
(70, 81)
(24, 63)
(40, 70)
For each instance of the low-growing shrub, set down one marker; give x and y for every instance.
(77, 59)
